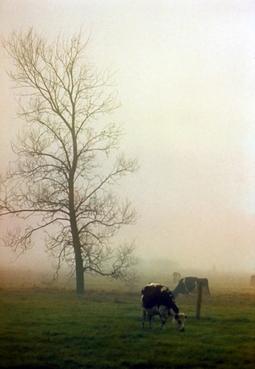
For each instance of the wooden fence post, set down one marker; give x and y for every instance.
(199, 300)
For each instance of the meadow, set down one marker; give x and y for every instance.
(55, 329)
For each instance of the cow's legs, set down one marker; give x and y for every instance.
(163, 321)
(143, 318)
(150, 319)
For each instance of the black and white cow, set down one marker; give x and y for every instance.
(159, 300)
(189, 284)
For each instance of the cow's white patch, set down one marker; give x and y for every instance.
(164, 289)
(179, 320)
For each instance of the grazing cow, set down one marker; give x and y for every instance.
(159, 300)
(188, 284)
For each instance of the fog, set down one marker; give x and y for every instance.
(185, 75)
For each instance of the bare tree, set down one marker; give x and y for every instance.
(66, 158)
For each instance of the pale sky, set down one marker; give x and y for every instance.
(185, 75)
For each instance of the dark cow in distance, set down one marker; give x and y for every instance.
(252, 281)
(189, 284)
(159, 300)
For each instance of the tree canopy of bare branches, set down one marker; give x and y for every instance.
(67, 158)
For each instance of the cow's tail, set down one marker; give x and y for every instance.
(175, 308)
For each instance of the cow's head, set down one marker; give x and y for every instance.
(179, 320)
(180, 288)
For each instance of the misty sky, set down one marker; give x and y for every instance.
(185, 75)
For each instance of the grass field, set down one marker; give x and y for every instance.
(40, 329)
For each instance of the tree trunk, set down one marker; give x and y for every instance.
(79, 271)
(80, 286)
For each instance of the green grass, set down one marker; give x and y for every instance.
(57, 330)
